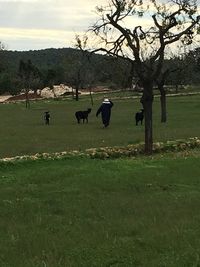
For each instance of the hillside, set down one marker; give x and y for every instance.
(65, 65)
(72, 67)
(45, 58)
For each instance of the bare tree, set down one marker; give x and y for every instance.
(76, 74)
(121, 32)
(161, 83)
(27, 73)
(85, 74)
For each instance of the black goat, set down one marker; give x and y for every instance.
(139, 116)
(82, 115)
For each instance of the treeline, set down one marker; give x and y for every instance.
(81, 70)
(184, 69)
(55, 66)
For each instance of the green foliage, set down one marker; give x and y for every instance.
(9, 84)
(5, 82)
(27, 73)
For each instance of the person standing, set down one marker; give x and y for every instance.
(105, 110)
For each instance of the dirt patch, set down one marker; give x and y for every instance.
(3, 98)
(31, 96)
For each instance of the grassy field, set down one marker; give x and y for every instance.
(131, 213)
(23, 131)
(79, 212)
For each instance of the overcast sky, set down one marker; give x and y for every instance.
(38, 24)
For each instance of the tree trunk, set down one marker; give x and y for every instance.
(72, 93)
(76, 93)
(27, 99)
(176, 88)
(91, 97)
(148, 127)
(163, 106)
(78, 83)
(147, 102)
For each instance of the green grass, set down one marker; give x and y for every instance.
(79, 212)
(23, 131)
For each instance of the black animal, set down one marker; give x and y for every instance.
(139, 116)
(82, 115)
(46, 117)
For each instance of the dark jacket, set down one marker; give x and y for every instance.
(105, 110)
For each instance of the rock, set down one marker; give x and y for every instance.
(58, 90)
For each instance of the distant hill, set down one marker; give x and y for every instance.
(68, 66)
(45, 58)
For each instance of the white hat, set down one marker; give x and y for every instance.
(106, 100)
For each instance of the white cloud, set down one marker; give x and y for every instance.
(25, 24)
(18, 39)
(26, 19)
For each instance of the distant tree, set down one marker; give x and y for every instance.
(86, 74)
(2, 48)
(50, 79)
(80, 74)
(191, 62)
(160, 81)
(74, 77)
(27, 73)
(178, 74)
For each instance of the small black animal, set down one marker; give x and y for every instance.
(82, 115)
(46, 117)
(139, 116)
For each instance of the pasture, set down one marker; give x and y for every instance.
(23, 131)
(81, 212)
(130, 213)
